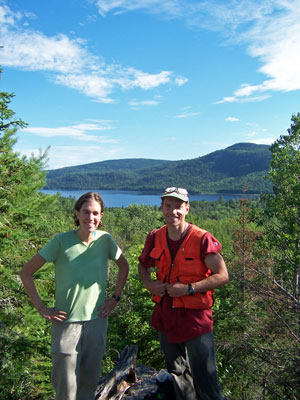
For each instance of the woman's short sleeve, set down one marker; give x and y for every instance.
(50, 251)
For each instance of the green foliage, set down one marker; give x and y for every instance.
(24, 225)
(279, 218)
(131, 225)
(7, 115)
(263, 331)
(241, 321)
(224, 171)
(280, 215)
(256, 315)
(130, 321)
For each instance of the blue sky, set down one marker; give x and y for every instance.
(165, 79)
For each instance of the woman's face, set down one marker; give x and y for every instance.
(89, 215)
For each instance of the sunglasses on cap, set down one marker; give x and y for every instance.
(174, 189)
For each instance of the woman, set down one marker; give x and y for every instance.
(80, 316)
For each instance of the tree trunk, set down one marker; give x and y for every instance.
(114, 385)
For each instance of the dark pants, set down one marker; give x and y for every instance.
(193, 367)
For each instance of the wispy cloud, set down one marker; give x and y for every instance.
(69, 61)
(171, 8)
(64, 156)
(75, 132)
(252, 134)
(242, 99)
(267, 141)
(270, 29)
(272, 32)
(143, 80)
(142, 103)
(232, 119)
(180, 81)
(187, 115)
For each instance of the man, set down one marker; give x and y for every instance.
(189, 268)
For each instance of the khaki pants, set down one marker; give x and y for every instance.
(77, 350)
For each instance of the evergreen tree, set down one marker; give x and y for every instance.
(281, 210)
(7, 115)
(280, 222)
(22, 217)
(266, 266)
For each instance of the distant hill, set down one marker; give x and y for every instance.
(223, 171)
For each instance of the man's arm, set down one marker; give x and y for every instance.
(155, 287)
(219, 276)
(26, 274)
(109, 304)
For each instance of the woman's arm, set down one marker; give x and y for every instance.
(26, 274)
(109, 304)
(123, 265)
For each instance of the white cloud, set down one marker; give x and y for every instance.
(91, 85)
(168, 7)
(252, 134)
(236, 99)
(100, 85)
(34, 51)
(69, 61)
(76, 132)
(273, 36)
(130, 78)
(187, 115)
(138, 103)
(232, 119)
(77, 155)
(149, 81)
(181, 81)
(270, 29)
(268, 141)
(64, 156)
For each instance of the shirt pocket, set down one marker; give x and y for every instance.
(156, 253)
(191, 269)
(159, 255)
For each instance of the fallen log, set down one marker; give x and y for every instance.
(131, 382)
(114, 385)
(144, 385)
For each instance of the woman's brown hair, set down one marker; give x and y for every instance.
(87, 197)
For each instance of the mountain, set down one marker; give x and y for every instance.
(223, 171)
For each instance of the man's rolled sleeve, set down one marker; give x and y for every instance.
(144, 258)
(209, 245)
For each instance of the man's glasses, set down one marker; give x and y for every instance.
(177, 190)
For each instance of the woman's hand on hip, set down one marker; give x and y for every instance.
(53, 315)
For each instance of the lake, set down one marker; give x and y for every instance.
(115, 198)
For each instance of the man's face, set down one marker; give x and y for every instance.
(174, 211)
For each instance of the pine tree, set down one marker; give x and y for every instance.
(268, 268)
(281, 212)
(23, 213)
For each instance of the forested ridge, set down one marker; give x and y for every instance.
(256, 315)
(223, 171)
